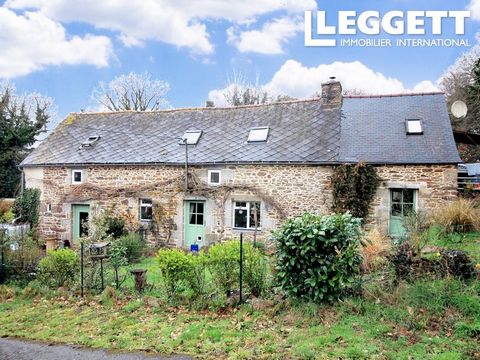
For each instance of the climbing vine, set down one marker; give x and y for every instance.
(354, 186)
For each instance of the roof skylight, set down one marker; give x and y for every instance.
(414, 126)
(258, 134)
(191, 137)
(91, 140)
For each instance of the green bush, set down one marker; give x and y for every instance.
(176, 267)
(115, 227)
(134, 246)
(8, 216)
(26, 206)
(318, 257)
(224, 265)
(255, 270)
(58, 268)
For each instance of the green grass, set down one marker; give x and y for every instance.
(469, 242)
(427, 319)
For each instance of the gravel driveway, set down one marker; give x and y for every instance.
(14, 349)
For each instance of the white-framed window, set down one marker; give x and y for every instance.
(414, 126)
(49, 208)
(214, 177)
(146, 209)
(77, 176)
(244, 214)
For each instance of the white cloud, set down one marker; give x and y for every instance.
(474, 7)
(34, 41)
(269, 40)
(176, 22)
(295, 79)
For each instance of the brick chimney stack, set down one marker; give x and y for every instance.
(332, 96)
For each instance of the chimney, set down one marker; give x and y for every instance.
(332, 96)
(209, 103)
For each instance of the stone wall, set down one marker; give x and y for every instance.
(283, 190)
(435, 185)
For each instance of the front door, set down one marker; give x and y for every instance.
(194, 223)
(402, 203)
(81, 214)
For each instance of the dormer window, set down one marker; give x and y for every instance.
(90, 141)
(258, 134)
(414, 127)
(191, 137)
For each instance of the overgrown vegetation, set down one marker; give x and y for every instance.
(318, 257)
(354, 186)
(26, 207)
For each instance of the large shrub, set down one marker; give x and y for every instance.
(255, 270)
(134, 246)
(224, 265)
(177, 269)
(26, 206)
(58, 268)
(318, 257)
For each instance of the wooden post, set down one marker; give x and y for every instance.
(241, 268)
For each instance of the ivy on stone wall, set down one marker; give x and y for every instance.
(354, 186)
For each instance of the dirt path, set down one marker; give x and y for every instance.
(15, 349)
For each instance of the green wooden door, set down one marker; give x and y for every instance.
(194, 223)
(81, 214)
(402, 203)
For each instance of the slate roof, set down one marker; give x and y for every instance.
(370, 129)
(373, 130)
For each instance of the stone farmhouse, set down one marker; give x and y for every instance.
(248, 167)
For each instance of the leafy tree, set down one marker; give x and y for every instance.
(132, 91)
(22, 120)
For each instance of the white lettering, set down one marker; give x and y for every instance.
(415, 20)
(399, 26)
(368, 22)
(345, 22)
(437, 18)
(460, 17)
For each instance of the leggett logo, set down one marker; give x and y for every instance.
(371, 23)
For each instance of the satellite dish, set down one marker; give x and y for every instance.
(459, 109)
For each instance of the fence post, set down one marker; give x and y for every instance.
(241, 269)
(81, 269)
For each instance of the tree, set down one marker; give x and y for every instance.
(454, 84)
(132, 91)
(473, 99)
(22, 120)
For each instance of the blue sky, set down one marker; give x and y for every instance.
(64, 48)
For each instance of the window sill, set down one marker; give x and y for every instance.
(247, 230)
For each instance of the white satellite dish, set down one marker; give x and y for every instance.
(459, 109)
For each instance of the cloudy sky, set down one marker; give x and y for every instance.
(63, 48)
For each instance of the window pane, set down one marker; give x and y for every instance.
(77, 176)
(193, 208)
(407, 209)
(253, 207)
(241, 204)
(146, 213)
(193, 220)
(259, 134)
(146, 201)
(396, 195)
(408, 196)
(396, 209)
(240, 218)
(200, 208)
(199, 219)
(215, 177)
(414, 127)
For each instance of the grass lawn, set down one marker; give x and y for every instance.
(428, 319)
